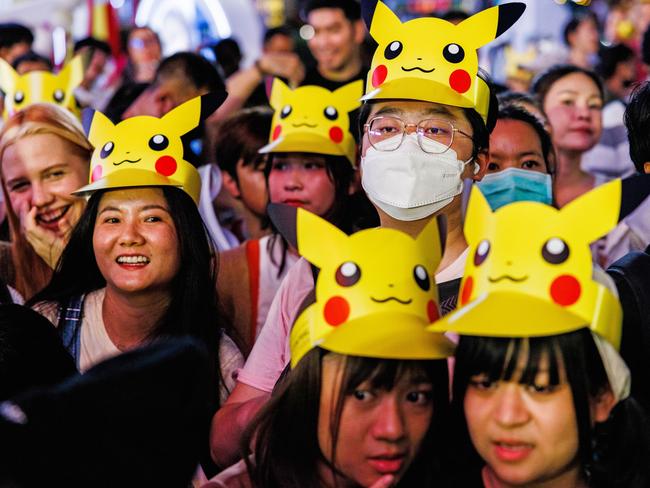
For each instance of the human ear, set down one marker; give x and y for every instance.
(481, 160)
(230, 185)
(601, 406)
(646, 168)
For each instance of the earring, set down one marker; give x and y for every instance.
(477, 168)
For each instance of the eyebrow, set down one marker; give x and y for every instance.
(49, 168)
(435, 110)
(575, 92)
(142, 209)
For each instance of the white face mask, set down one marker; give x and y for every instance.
(410, 184)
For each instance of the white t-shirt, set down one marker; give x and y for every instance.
(96, 346)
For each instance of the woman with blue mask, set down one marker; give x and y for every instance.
(520, 162)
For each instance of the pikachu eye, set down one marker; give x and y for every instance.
(482, 252)
(19, 97)
(331, 113)
(348, 274)
(555, 251)
(58, 95)
(453, 53)
(107, 149)
(422, 277)
(158, 142)
(393, 50)
(286, 110)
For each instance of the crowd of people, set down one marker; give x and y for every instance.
(373, 266)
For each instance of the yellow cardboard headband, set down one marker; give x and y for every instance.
(41, 86)
(147, 151)
(431, 59)
(375, 293)
(313, 119)
(526, 280)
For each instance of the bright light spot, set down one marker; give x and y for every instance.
(117, 3)
(307, 32)
(59, 45)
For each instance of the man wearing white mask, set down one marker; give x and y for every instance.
(425, 125)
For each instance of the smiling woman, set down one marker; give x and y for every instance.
(44, 157)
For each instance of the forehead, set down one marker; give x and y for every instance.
(514, 134)
(325, 17)
(574, 84)
(414, 111)
(299, 157)
(133, 197)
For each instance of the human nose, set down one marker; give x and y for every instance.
(41, 196)
(389, 422)
(582, 111)
(131, 235)
(293, 179)
(511, 409)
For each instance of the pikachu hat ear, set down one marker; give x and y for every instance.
(7, 77)
(316, 236)
(479, 215)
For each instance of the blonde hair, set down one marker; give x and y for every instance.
(31, 272)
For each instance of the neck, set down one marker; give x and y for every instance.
(579, 58)
(130, 319)
(252, 224)
(568, 479)
(455, 243)
(570, 180)
(351, 69)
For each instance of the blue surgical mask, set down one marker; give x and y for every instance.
(516, 185)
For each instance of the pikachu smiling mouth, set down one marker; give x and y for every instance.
(419, 69)
(507, 277)
(128, 161)
(384, 300)
(305, 124)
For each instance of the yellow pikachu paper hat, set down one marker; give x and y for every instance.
(313, 119)
(517, 61)
(375, 292)
(529, 273)
(41, 86)
(147, 151)
(431, 59)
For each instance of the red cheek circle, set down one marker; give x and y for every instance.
(276, 132)
(336, 134)
(466, 293)
(565, 290)
(97, 173)
(337, 311)
(460, 81)
(166, 165)
(379, 75)
(432, 311)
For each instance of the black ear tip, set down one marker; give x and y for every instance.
(509, 13)
(367, 11)
(212, 101)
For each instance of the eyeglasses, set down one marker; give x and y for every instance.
(387, 133)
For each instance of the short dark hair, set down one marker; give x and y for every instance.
(285, 432)
(611, 57)
(94, 44)
(351, 8)
(544, 81)
(240, 136)
(481, 129)
(282, 30)
(575, 22)
(516, 112)
(31, 57)
(12, 33)
(194, 68)
(637, 122)
(615, 452)
(455, 14)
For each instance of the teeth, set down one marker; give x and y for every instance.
(49, 217)
(133, 259)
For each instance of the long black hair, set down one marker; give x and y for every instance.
(284, 434)
(193, 307)
(613, 454)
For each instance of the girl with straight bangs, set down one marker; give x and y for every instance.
(591, 441)
(315, 429)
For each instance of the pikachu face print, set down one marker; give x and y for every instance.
(41, 86)
(313, 119)
(375, 292)
(144, 151)
(529, 270)
(431, 59)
